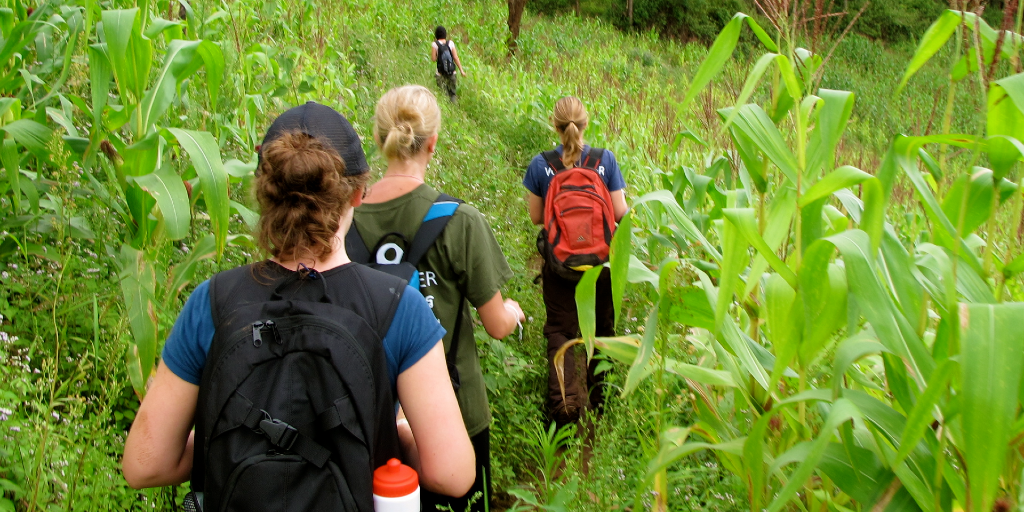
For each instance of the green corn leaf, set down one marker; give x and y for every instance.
(859, 473)
(679, 218)
(720, 53)
(1005, 117)
(183, 273)
(759, 128)
(932, 40)
(783, 310)
(762, 36)
(992, 362)
(131, 55)
(921, 416)
(639, 369)
(753, 78)
(900, 271)
(213, 61)
(669, 454)
(138, 284)
(736, 341)
(171, 198)
(824, 291)
(30, 134)
(833, 115)
(876, 304)
(842, 411)
(639, 273)
(735, 258)
(621, 250)
(850, 351)
(873, 219)
(780, 217)
(250, 217)
(12, 165)
(746, 226)
(205, 155)
(1014, 267)
(976, 207)
(180, 62)
(843, 177)
(586, 307)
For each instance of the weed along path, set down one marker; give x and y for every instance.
(816, 287)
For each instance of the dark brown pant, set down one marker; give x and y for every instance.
(563, 325)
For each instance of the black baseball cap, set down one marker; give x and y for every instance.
(328, 126)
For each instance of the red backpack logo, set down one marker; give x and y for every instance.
(578, 217)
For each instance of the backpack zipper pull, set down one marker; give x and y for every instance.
(257, 334)
(269, 324)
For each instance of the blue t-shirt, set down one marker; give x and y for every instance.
(539, 173)
(414, 331)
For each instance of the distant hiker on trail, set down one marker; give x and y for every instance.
(403, 221)
(290, 368)
(578, 195)
(442, 51)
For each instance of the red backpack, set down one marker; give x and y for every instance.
(578, 217)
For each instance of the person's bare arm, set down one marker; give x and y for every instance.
(536, 208)
(619, 204)
(455, 56)
(158, 451)
(444, 456)
(500, 317)
(433, 52)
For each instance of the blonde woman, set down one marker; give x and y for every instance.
(569, 120)
(463, 269)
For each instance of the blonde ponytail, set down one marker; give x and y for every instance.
(405, 118)
(569, 120)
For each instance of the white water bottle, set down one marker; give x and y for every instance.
(396, 488)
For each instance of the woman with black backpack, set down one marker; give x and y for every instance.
(577, 193)
(290, 368)
(442, 51)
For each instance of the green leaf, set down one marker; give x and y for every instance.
(845, 176)
(621, 250)
(30, 134)
(921, 416)
(250, 217)
(179, 63)
(833, 116)
(877, 306)
(991, 363)
(842, 411)
(780, 216)
(783, 311)
(183, 273)
(976, 207)
(932, 40)
(759, 128)
(679, 218)
(586, 306)
(213, 60)
(1005, 117)
(823, 286)
(171, 197)
(720, 53)
(639, 369)
(849, 351)
(12, 165)
(131, 55)
(762, 36)
(202, 149)
(138, 283)
(746, 225)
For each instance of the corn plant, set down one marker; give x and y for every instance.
(143, 186)
(837, 366)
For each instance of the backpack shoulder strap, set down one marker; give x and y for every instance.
(434, 222)
(593, 159)
(554, 160)
(355, 246)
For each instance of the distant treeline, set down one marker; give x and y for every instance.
(887, 20)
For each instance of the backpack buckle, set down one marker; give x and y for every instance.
(280, 434)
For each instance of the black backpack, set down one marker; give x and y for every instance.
(445, 61)
(401, 260)
(295, 406)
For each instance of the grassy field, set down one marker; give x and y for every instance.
(66, 397)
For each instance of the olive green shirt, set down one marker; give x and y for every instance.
(465, 261)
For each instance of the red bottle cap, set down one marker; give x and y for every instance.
(395, 480)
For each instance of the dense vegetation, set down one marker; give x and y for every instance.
(802, 287)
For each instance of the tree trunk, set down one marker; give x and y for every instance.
(629, 10)
(515, 16)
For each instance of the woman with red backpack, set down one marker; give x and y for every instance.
(577, 193)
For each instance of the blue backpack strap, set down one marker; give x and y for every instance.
(434, 222)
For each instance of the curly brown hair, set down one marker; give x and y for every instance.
(303, 194)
